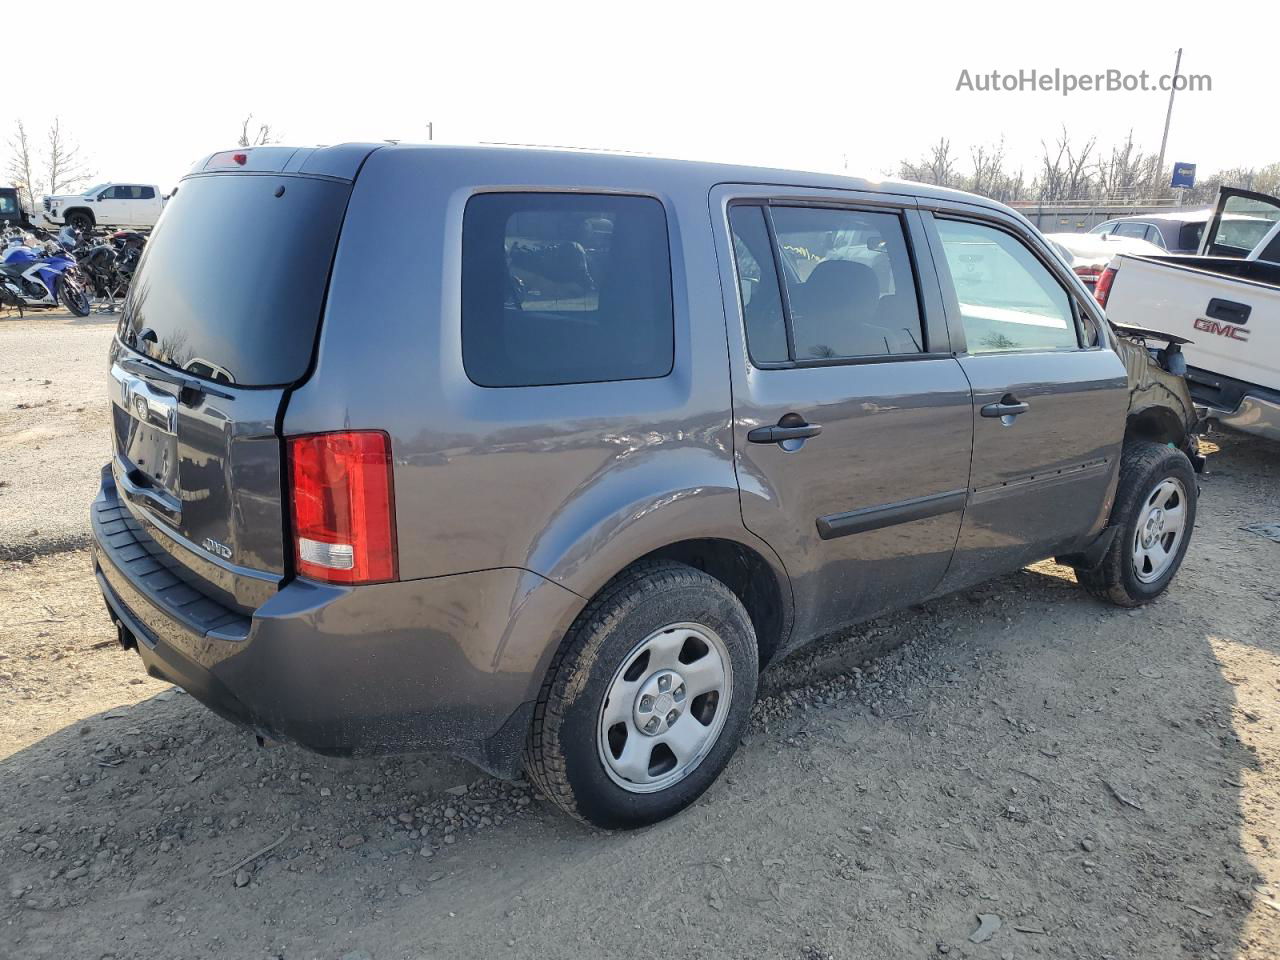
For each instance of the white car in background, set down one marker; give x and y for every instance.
(1089, 253)
(133, 205)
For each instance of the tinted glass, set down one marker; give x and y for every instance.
(1190, 235)
(1132, 229)
(758, 285)
(8, 202)
(1008, 299)
(146, 193)
(232, 303)
(849, 283)
(565, 288)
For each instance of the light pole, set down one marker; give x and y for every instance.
(1164, 140)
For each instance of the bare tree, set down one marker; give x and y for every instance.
(263, 136)
(1263, 180)
(989, 177)
(65, 169)
(937, 166)
(1064, 173)
(1128, 173)
(21, 167)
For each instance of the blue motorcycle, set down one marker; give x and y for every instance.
(41, 276)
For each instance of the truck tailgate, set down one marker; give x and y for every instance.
(1233, 323)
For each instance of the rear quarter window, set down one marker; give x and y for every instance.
(565, 288)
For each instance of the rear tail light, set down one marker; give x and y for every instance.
(1102, 289)
(343, 506)
(1088, 271)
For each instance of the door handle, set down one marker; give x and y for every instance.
(1009, 406)
(1228, 311)
(787, 429)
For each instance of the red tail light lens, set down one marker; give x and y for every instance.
(343, 506)
(1102, 289)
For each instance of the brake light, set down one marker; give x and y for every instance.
(228, 158)
(343, 506)
(1088, 271)
(1102, 289)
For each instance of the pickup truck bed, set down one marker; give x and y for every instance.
(1229, 308)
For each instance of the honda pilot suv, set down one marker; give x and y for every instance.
(546, 475)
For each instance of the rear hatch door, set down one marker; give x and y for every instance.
(220, 322)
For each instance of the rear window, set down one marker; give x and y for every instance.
(232, 282)
(565, 288)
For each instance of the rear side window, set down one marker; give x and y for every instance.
(565, 288)
(1132, 229)
(847, 278)
(232, 282)
(1008, 299)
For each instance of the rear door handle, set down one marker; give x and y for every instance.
(1009, 406)
(786, 429)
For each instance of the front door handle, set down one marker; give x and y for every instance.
(1009, 406)
(790, 427)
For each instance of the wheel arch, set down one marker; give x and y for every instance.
(1155, 423)
(72, 211)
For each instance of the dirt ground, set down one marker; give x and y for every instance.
(54, 434)
(1095, 783)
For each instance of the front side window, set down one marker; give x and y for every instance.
(146, 193)
(1132, 229)
(849, 286)
(1008, 299)
(565, 288)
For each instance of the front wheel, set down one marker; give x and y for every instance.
(1155, 513)
(646, 699)
(73, 296)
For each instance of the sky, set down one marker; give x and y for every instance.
(820, 86)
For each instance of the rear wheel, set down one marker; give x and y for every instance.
(647, 698)
(1155, 513)
(73, 296)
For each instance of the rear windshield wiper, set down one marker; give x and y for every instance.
(196, 386)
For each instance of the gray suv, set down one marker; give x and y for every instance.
(539, 457)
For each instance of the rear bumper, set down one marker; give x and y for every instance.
(1256, 415)
(449, 663)
(1242, 406)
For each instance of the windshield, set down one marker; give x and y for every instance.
(94, 189)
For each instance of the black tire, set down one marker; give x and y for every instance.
(73, 297)
(1144, 466)
(81, 221)
(563, 752)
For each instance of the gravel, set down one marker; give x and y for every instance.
(54, 435)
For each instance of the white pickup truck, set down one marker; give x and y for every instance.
(135, 205)
(1222, 305)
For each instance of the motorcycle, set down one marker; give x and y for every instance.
(106, 263)
(34, 274)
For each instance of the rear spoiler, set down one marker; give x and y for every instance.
(341, 162)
